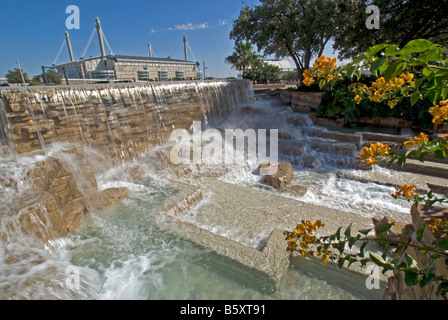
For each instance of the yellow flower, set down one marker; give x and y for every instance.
(439, 225)
(369, 154)
(358, 99)
(409, 144)
(417, 140)
(308, 81)
(308, 73)
(406, 191)
(439, 112)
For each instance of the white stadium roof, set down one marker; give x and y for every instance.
(282, 64)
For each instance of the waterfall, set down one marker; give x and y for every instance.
(120, 120)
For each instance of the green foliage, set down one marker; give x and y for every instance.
(401, 22)
(14, 76)
(392, 257)
(53, 77)
(262, 72)
(339, 103)
(242, 57)
(419, 57)
(299, 29)
(428, 62)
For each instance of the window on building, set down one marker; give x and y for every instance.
(180, 74)
(163, 75)
(143, 75)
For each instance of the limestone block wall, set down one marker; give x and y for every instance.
(121, 120)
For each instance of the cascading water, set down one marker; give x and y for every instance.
(130, 251)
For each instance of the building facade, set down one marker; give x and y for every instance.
(130, 68)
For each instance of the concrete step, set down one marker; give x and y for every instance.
(323, 145)
(396, 178)
(426, 168)
(373, 136)
(334, 135)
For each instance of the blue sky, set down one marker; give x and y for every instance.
(32, 31)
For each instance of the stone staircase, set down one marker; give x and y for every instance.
(430, 174)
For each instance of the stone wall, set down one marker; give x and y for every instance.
(121, 120)
(57, 200)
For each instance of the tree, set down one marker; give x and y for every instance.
(297, 28)
(400, 22)
(14, 76)
(242, 56)
(262, 72)
(53, 77)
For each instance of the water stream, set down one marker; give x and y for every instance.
(130, 251)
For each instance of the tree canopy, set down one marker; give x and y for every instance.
(297, 28)
(14, 76)
(242, 56)
(400, 22)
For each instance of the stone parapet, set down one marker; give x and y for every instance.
(121, 120)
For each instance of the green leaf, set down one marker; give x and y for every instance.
(347, 232)
(411, 278)
(433, 96)
(417, 46)
(412, 264)
(392, 50)
(420, 232)
(422, 156)
(415, 97)
(377, 259)
(375, 49)
(417, 83)
(365, 231)
(443, 243)
(341, 262)
(427, 279)
(377, 64)
(338, 233)
(394, 68)
(434, 54)
(383, 228)
(444, 93)
(362, 248)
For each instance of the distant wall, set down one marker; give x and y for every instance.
(123, 120)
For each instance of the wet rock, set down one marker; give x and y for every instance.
(279, 175)
(267, 168)
(104, 199)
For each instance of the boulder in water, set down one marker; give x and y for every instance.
(277, 175)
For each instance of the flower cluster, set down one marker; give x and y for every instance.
(406, 191)
(439, 112)
(417, 140)
(370, 154)
(439, 226)
(303, 237)
(381, 90)
(323, 68)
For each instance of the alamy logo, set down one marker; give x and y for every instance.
(72, 280)
(373, 280)
(72, 21)
(373, 21)
(211, 147)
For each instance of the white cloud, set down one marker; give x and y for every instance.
(222, 22)
(152, 31)
(190, 26)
